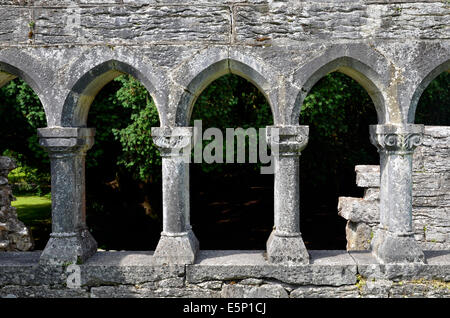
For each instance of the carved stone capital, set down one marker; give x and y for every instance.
(287, 140)
(173, 141)
(399, 139)
(66, 140)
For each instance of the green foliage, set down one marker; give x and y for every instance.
(139, 154)
(24, 113)
(123, 114)
(231, 102)
(338, 111)
(18, 139)
(28, 180)
(434, 104)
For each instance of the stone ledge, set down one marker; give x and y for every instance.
(215, 274)
(332, 268)
(106, 268)
(437, 267)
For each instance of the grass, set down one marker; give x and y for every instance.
(35, 212)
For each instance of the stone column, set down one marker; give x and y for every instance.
(70, 240)
(393, 241)
(178, 244)
(285, 244)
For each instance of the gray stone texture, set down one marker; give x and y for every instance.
(333, 268)
(393, 241)
(14, 235)
(68, 50)
(177, 47)
(224, 274)
(178, 244)
(70, 240)
(430, 200)
(285, 244)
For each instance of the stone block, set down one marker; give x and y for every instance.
(22, 269)
(6, 165)
(436, 267)
(333, 268)
(375, 288)
(359, 236)
(367, 176)
(371, 194)
(124, 291)
(127, 268)
(42, 291)
(359, 210)
(437, 131)
(119, 24)
(350, 291)
(420, 289)
(245, 291)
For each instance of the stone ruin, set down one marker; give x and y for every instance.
(430, 197)
(14, 235)
(68, 50)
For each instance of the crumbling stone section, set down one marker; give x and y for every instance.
(224, 274)
(362, 213)
(14, 235)
(431, 198)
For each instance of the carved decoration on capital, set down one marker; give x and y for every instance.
(173, 141)
(396, 139)
(287, 140)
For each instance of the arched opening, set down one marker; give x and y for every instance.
(123, 168)
(78, 102)
(338, 111)
(433, 106)
(232, 204)
(431, 83)
(358, 71)
(21, 113)
(202, 80)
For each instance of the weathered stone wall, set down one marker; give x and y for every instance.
(14, 235)
(225, 274)
(68, 50)
(431, 196)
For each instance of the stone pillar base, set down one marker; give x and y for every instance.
(194, 240)
(286, 249)
(64, 248)
(390, 247)
(180, 248)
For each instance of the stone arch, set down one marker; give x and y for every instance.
(361, 72)
(9, 72)
(207, 75)
(426, 80)
(82, 93)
